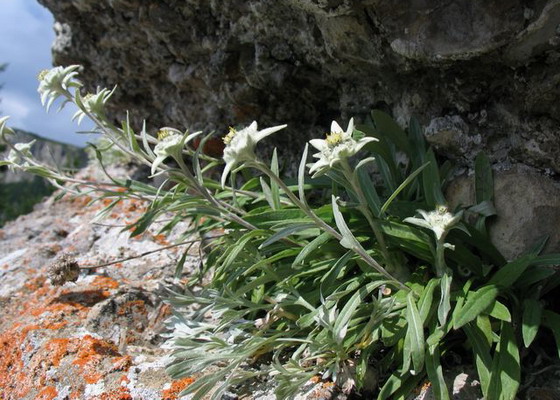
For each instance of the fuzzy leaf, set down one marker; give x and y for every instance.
(552, 321)
(435, 373)
(509, 273)
(415, 334)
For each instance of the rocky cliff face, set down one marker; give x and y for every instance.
(480, 74)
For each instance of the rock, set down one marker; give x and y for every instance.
(528, 207)
(98, 337)
(210, 64)
(102, 336)
(450, 135)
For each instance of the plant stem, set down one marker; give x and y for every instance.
(297, 202)
(364, 209)
(322, 224)
(140, 255)
(440, 257)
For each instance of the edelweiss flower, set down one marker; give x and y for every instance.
(15, 160)
(440, 221)
(55, 81)
(93, 103)
(337, 145)
(240, 145)
(171, 144)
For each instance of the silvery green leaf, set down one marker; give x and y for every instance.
(301, 175)
(415, 333)
(348, 240)
(274, 189)
(144, 135)
(445, 300)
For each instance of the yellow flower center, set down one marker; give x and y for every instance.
(41, 75)
(333, 138)
(163, 133)
(229, 137)
(442, 210)
(88, 97)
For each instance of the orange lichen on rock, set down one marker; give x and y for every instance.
(177, 387)
(120, 393)
(122, 363)
(91, 352)
(133, 306)
(11, 364)
(161, 239)
(47, 393)
(58, 349)
(105, 282)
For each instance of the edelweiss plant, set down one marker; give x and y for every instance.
(329, 275)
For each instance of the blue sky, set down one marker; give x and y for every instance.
(26, 35)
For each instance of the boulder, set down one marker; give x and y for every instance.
(210, 64)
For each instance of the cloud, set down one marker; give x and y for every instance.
(26, 36)
(16, 107)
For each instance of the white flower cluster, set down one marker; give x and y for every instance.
(92, 103)
(240, 145)
(171, 144)
(338, 145)
(440, 221)
(56, 82)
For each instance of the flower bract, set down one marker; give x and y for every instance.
(92, 103)
(240, 145)
(56, 81)
(338, 145)
(171, 144)
(440, 221)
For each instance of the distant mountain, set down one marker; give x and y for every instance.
(20, 191)
(44, 150)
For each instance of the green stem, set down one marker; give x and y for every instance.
(364, 209)
(297, 202)
(208, 196)
(440, 257)
(322, 224)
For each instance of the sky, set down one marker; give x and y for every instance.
(26, 36)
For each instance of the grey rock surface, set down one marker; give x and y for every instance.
(527, 205)
(209, 64)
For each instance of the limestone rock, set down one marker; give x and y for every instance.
(207, 64)
(528, 206)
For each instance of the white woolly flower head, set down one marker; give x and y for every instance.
(440, 221)
(240, 145)
(92, 103)
(16, 159)
(338, 145)
(56, 81)
(171, 143)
